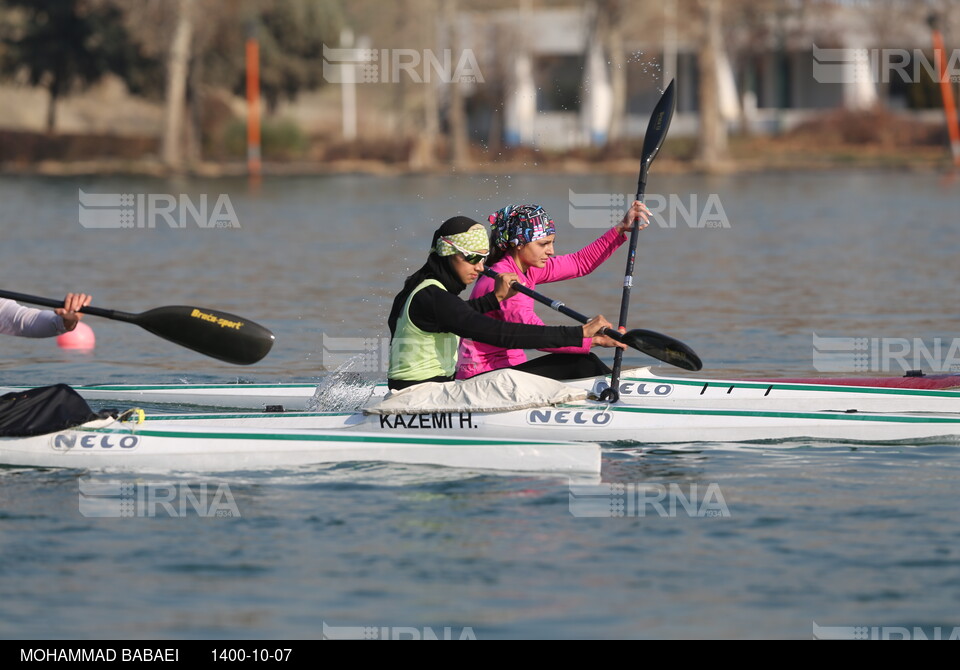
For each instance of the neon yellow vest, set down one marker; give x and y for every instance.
(416, 355)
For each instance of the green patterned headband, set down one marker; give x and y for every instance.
(473, 241)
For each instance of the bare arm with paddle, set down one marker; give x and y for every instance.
(217, 334)
(29, 322)
(70, 312)
(637, 219)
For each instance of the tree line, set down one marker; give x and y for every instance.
(176, 50)
(169, 50)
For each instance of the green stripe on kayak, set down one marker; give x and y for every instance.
(186, 388)
(245, 415)
(821, 414)
(339, 436)
(825, 414)
(786, 386)
(829, 415)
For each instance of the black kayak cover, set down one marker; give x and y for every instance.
(42, 410)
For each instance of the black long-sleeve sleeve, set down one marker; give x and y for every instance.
(485, 303)
(438, 311)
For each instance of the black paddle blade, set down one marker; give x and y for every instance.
(663, 348)
(659, 123)
(217, 334)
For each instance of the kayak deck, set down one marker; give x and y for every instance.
(639, 386)
(598, 422)
(220, 448)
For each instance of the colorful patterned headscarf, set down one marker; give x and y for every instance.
(520, 224)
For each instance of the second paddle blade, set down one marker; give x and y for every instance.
(663, 348)
(217, 334)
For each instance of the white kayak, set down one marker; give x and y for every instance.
(233, 396)
(638, 387)
(502, 421)
(599, 422)
(508, 404)
(933, 393)
(229, 446)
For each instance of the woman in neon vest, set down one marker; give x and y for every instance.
(428, 318)
(523, 236)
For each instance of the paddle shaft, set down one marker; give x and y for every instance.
(662, 347)
(652, 141)
(49, 302)
(217, 334)
(556, 305)
(628, 278)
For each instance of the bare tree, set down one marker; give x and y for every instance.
(609, 28)
(712, 135)
(459, 138)
(426, 144)
(177, 73)
(64, 45)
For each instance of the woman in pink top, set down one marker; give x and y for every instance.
(522, 238)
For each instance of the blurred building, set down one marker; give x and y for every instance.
(550, 72)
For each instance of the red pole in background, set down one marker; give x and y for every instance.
(253, 106)
(946, 89)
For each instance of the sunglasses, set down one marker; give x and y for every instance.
(471, 257)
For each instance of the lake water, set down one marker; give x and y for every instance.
(824, 535)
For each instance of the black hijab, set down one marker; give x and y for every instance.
(436, 267)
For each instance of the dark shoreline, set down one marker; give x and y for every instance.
(100, 167)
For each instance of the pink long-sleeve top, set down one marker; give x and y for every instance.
(477, 357)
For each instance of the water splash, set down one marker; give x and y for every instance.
(343, 390)
(650, 67)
